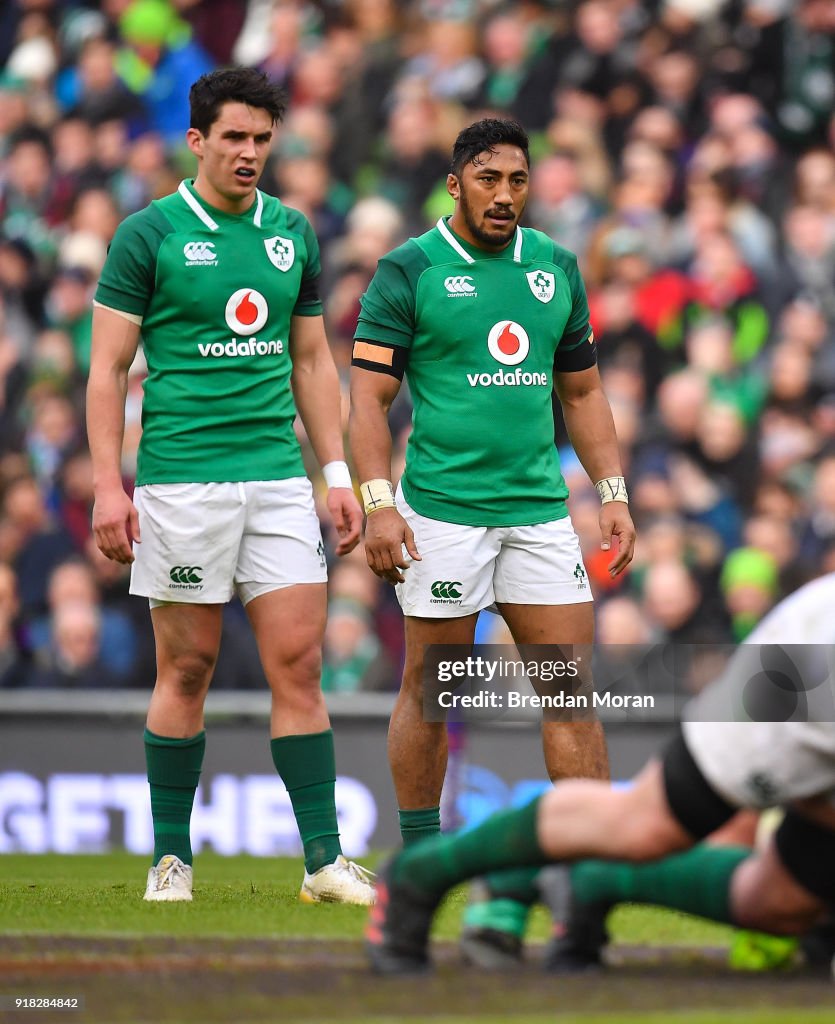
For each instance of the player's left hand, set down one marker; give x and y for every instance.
(347, 517)
(615, 521)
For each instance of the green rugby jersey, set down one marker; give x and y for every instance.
(216, 292)
(482, 331)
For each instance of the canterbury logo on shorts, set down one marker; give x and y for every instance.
(446, 589)
(186, 574)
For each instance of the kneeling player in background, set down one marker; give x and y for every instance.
(710, 771)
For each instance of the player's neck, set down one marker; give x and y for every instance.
(215, 199)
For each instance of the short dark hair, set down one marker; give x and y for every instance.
(235, 85)
(484, 136)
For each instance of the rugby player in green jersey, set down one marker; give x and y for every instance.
(486, 319)
(220, 282)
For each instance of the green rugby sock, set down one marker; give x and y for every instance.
(418, 824)
(500, 915)
(507, 839)
(173, 774)
(696, 882)
(307, 767)
(512, 894)
(514, 884)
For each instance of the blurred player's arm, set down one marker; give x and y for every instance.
(376, 375)
(318, 398)
(591, 429)
(115, 341)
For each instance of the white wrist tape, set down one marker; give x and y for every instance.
(337, 474)
(377, 494)
(612, 488)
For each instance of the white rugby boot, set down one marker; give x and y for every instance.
(170, 880)
(340, 882)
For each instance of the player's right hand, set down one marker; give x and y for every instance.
(389, 544)
(115, 524)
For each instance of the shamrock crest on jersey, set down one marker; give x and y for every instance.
(281, 251)
(542, 284)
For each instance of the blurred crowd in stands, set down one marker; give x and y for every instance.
(684, 149)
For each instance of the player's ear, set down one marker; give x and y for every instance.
(194, 139)
(453, 186)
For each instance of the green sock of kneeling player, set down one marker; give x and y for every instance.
(511, 896)
(507, 839)
(696, 882)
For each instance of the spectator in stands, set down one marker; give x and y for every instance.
(749, 586)
(13, 666)
(36, 542)
(677, 606)
(159, 63)
(28, 207)
(73, 583)
(93, 91)
(69, 309)
(559, 205)
(819, 533)
(353, 657)
(73, 660)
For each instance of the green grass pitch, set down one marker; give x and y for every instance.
(247, 950)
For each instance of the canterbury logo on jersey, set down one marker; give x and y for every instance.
(446, 590)
(186, 576)
(200, 254)
(460, 286)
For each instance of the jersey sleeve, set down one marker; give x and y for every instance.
(309, 303)
(127, 278)
(388, 307)
(577, 349)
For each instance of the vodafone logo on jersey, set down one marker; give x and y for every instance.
(246, 311)
(508, 342)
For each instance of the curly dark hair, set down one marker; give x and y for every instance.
(485, 136)
(236, 85)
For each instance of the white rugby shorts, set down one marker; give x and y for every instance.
(765, 764)
(203, 542)
(465, 569)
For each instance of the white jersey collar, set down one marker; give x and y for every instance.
(196, 208)
(517, 246)
(199, 210)
(462, 252)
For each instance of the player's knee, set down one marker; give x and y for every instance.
(304, 668)
(765, 914)
(765, 897)
(191, 671)
(296, 676)
(411, 687)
